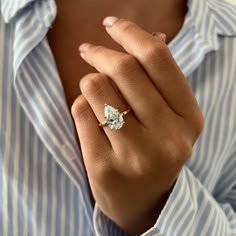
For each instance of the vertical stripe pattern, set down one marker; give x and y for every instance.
(44, 188)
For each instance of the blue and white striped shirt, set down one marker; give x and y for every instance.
(43, 185)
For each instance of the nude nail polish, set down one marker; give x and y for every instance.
(109, 21)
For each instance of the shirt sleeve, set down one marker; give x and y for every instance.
(192, 210)
(189, 210)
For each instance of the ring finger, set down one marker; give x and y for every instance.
(132, 81)
(98, 91)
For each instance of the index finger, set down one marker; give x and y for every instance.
(157, 61)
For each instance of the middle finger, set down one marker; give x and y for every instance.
(98, 91)
(130, 78)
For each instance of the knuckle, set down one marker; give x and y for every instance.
(185, 150)
(196, 123)
(80, 108)
(157, 50)
(93, 84)
(126, 26)
(199, 123)
(142, 168)
(98, 49)
(125, 64)
(177, 150)
(138, 166)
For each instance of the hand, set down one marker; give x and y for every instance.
(131, 171)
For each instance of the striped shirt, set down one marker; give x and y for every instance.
(43, 185)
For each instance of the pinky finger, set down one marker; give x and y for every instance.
(93, 139)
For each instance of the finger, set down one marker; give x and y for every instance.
(98, 91)
(133, 83)
(157, 61)
(92, 138)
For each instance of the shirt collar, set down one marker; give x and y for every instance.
(10, 8)
(211, 17)
(42, 10)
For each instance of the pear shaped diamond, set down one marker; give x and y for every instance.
(114, 118)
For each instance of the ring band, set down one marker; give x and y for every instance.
(114, 118)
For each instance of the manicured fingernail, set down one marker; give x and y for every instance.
(109, 21)
(83, 47)
(159, 35)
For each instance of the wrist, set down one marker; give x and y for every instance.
(143, 222)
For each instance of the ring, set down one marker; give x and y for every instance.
(114, 118)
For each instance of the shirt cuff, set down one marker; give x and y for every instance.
(192, 210)
(105, 227)
(188, 206)
(179, 203)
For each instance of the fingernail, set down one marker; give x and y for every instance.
(83, 47)
(109, 21)
(159, 35)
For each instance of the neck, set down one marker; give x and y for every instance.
(157, 15)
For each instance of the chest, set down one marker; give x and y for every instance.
(71, 67)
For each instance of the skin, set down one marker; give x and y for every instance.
(131, 171)
(80, 21)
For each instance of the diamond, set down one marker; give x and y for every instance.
(114, 118)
